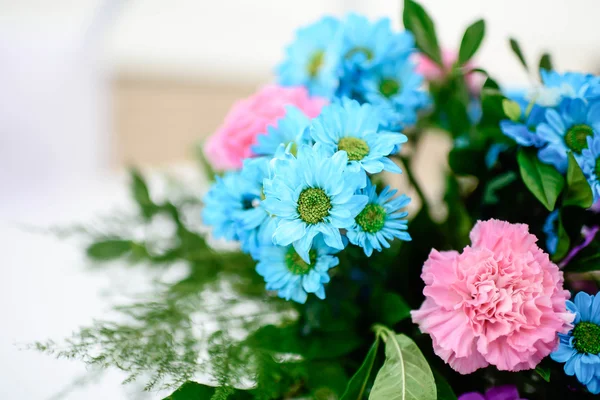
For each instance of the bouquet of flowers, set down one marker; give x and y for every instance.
(342, 287)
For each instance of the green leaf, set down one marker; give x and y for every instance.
(514, 45)
(471, 41)
(326, 379)
(586, 264)
(417, 21)
(405, 373)
(579, 192)
(109, 249)
(358, 383)
(546, 62)
(511, 109)
(316, 346)
(543, 372)
(393, 308)
(444, 390)
(192, 391)
(141, 195)
(467, 161)
(543, 180)
(564, 241)
(497, 183)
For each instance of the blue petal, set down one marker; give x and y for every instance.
(584, 305)
(288, 232)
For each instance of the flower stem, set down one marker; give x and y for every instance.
(406, 161)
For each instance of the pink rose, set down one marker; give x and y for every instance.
(501, 301)
(433, 73)
(231, 143)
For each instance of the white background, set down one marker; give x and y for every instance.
(56, 59)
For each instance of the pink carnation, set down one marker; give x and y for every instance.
(501, 301)
(232, 142)
(433, 73)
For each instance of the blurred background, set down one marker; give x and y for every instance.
(88, 87)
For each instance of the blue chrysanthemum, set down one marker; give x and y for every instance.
(381, 220)
(396, 86)
(354, 128)
(367, 44)
(567, 129)
(291, 129)
(314, 59)
(310, 194)
(550, 229)
(524, 131)
(590, 164)
(233, 207)
(580, 348)
(293, 278)
(570, 85)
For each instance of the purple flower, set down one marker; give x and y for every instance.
(507, 392)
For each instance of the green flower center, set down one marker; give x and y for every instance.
(315, 63)
(576, 137)
(293, 148)
(389, 87)
(356, 148)
(368, 53)
(313, 205)
(296, 264)
(372, 218)
(587, 338)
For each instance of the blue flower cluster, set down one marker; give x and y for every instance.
(308, 194)
(560, 117)
(359, 59)
(580, 348)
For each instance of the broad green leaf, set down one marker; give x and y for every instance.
(393, 308)
(471, 41)
(578, 192)
(141, 194)
(417, 21)
(444, 390)
(358, 383)
(543, 372)
(586, 264)
(511, 109)
(546, 62)
(192, 391)
(514, 45)
(564, 242)
(543, 180)
(109, 249)
(405, 374)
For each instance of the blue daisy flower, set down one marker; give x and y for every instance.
(580, 348)
(571, 85)
(550, 229)
(310, 194)
(590, 164)
(367, 44)
(567, 129)
(354, 128)
(233, 207)
(293, 278)
(313, 60)
(395, 86)
(524, 131)
(291, 129)
(380, 220)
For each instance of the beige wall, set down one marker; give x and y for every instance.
(157, 120)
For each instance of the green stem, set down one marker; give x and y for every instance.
(406, 161)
